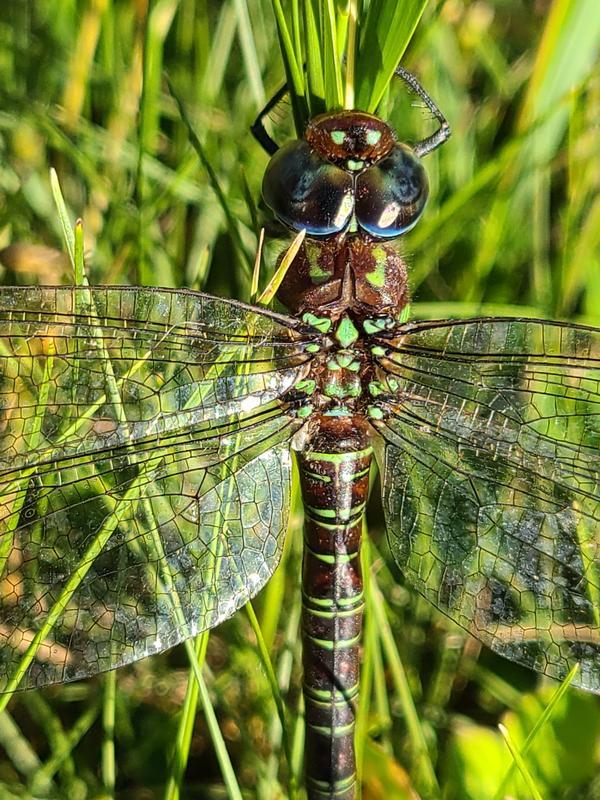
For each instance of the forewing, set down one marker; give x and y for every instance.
(141, 500)
(94, 367)
(490, 461)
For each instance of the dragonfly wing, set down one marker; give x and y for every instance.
(144, 471)
(490, 461)
(94, 367)
(109, 558)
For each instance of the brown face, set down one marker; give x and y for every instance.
(349, 173)
(350, 139)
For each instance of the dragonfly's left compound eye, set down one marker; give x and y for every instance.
(305, 191)
(391, 195)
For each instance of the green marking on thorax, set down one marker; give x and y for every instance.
(305, 411)
(373, 137)
(355, 166)
(338, 137)
(344, 358)
(322, 324)
(342, 411)
(307, 386)
(346, 333)
(376, 325)
(316, 272)
(374, 412)
(377, 276)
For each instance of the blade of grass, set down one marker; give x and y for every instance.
(63, 216)
(205, 161)
(181, 750)
(387, 29)
(231, 784)
(295, 75)
(285, 263)
(334, 93)
(520, 762)
(266, 660)
(426, 778)
(543, 720)
(109, 701)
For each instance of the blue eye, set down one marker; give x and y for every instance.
(391, 195)
(304, 191)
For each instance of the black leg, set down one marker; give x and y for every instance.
(443, 132)
(258, 129)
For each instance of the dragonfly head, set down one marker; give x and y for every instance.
(348, 174)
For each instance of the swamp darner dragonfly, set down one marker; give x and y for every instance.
(146, 438)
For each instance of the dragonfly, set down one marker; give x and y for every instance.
(147, 436)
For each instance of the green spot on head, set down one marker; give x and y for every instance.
(373, 137)
(354, 165)
(338, 137)
(374, 412)
(346, 333)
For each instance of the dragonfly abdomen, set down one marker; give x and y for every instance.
(334, 471)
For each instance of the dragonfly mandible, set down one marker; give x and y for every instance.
(146, 440)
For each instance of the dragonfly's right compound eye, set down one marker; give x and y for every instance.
(391, 195)
(304, 191)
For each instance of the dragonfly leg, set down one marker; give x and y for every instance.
(443, 132)
(258, 128)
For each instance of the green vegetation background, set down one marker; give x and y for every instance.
(513, 226)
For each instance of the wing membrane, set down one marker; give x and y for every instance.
(115, 364)
(144, 471)
(491, 481)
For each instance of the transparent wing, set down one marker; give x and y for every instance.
(490, 461)
(108, 365)
(141, 499)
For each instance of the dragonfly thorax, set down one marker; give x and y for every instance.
(348, 275)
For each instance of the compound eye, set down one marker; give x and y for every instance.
(391, 195)
(303, 191)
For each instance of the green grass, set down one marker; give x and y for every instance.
(513, 222)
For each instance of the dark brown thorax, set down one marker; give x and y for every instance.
(347, 274)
